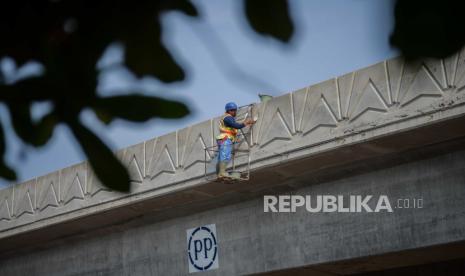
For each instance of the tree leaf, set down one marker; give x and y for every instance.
(427, 28)
(270, 17)
(184, 6)
(103, 115)
(35, 134)
(106, 166)
(5, 171)
(138, 108)
(20, 114)
(44, 128)
(146, 55)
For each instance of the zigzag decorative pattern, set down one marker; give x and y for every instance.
(195, 140)
(48, 194)
(24, 199)
(320, 105)
(162, 155)
(72, 181)
(6, 197)
(382, 93)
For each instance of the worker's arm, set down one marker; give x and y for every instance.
(231, 122)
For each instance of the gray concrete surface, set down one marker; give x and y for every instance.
(251, 241)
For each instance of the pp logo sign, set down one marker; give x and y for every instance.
(202, 248)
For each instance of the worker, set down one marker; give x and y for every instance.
(228, 136)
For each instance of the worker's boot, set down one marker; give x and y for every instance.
(235, 175)
(222, 169)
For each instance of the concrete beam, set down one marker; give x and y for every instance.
(345, 115)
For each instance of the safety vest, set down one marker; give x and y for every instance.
(225, 131)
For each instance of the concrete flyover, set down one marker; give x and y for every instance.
(393, 128)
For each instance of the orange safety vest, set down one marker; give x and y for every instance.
(226, 132)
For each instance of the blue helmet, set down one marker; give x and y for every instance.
(230, 106)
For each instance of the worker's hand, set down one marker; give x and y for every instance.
(249, 122)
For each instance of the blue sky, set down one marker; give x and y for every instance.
(225, 61)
